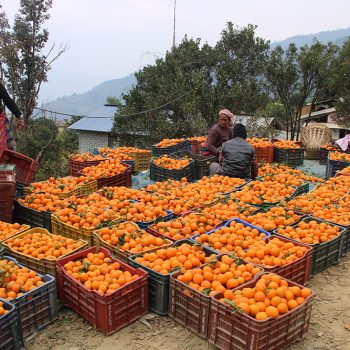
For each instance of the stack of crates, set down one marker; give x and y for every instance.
(7, 190)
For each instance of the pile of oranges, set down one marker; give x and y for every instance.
(169, 142)
(311, 232)
(345, 171)
(340, 156)
(107, 168)
(275, 217)
(42, 245)
(270, 296)
(45, 202)
(115, 153)
(165, 186)
(199, 139)
(121, 193)
(273, 252)
(181, 258)
(16, 280)
(87, 212)
(186, 226)
(259, 143)
(83, 157)
(127, 236)
(233, 237)
(137, 211)
(99, 273)
(59, 185)
(284, 178)
(8, 230)
(257, 192)
(219, 275)
(171, 163)
(286, 144)
(334, 213)
(330, 147)
(228, 209)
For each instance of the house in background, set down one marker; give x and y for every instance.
(324, 113)
(94, 132)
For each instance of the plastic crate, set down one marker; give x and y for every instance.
(233, 330)
(159, 151)
(158, 284)
(333, 166)
(44, 266)
(323, 254)
(26, 167)
(153, 229)
(131, 164)
(297, 271)
(123, 255)
(8, 169)
(323, 155)
(143, 225)
(264, 154)
(188, 306)
(109, 313)
(10, 329)
(76, 233)
(19, 190)
(289, 156)
(260, 230)
(75, 166)
(1, 251)
(123, 179)
(7, 190)
(37, 308)
(201, 163)
(162, 174)
(142, 161)
(31, 217)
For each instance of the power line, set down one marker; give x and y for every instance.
(119, 115)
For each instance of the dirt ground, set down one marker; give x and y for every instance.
(330, 317)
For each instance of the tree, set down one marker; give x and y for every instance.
(182, 93)
(342, 85)
(299, 76)
(25, 65)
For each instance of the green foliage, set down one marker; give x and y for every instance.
(184, 92)
(25, 65)
(298, 76)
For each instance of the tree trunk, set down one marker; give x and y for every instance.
(43, 150)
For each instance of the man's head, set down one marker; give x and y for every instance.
(239, 130)
(225, 118)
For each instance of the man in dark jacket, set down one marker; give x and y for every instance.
(238, 157)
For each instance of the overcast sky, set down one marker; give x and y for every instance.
(112, 38)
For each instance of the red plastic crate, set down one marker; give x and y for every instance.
(297, 271)
(188, 306)
(75, 166)
(264, 154)
(230, 329)
(7, 191)
(109, 313)
(123, 179)
(26, 167)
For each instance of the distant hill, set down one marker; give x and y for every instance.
(91, 102)
(338, 36)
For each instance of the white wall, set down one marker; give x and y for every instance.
(90, 139)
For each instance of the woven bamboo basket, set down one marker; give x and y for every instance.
(313, 137)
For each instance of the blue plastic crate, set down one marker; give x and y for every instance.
(260, 230)
(144, 225)
(10, 329)
(37, 308)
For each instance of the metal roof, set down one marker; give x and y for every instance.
(93, 124)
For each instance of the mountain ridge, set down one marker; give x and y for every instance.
(91, 102)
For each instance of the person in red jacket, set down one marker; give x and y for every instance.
(219, 133)
(6, 136)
